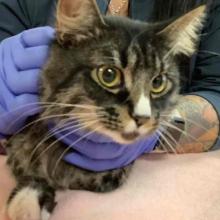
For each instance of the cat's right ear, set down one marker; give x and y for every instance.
(182, 35)
(78, 20)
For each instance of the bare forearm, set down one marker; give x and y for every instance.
(159, 187)
(201, 125)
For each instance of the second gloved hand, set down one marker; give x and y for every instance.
(21, 59)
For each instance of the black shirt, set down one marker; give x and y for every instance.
(204, 77)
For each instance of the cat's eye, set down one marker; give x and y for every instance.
(109, 77)
(159, 83)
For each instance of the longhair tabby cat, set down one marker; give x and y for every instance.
(100, 68)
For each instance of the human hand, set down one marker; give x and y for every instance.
(21, 59)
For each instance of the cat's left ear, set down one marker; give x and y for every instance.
(78, 20)
(182, 35)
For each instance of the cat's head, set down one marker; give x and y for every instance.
(114, 75)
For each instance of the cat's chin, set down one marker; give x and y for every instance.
(126, 138)
(118, 137)
(129, 138)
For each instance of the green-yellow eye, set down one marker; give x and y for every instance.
(109, 77)
(159, 84)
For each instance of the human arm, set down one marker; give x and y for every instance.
(200, 106)
(200, 130)
(186, 188)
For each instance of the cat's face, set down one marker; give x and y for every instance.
(115, 76)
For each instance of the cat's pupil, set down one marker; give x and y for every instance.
(109, 75)
(157, 82)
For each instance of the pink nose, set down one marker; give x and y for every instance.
(141, 120)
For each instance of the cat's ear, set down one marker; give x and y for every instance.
(77, 20)
(182, 35)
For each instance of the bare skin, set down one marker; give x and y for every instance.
(161, 187)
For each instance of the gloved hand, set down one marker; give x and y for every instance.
(21, 59)
(96, 152)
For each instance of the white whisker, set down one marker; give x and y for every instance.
(165, 132)
(59, 139)
(178, 129)
(68, 148)
(168, 143)
(161, 143)
(188, 120)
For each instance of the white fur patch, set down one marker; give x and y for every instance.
(130, 127)
(143, 108)
(144, 131)
(45, 215)
(25, 206)
(175, 115)
(183, 33)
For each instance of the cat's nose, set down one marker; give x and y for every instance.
(140, 120)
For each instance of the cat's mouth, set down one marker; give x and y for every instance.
(130, 136)
(130, 133)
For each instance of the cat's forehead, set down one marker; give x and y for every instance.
(131, 47)
(132, 27)
(122, 38)
(123, 33)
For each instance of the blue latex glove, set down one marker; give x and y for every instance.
(21, 59)
(96, 152)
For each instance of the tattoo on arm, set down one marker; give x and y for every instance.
(201, 127)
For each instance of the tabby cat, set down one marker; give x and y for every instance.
(120, 74)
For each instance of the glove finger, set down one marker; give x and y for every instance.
(19, 82)
(25, 82)
(88, 163)
(38, 36)
(12, 120)
(23, 58)
(9, 122)
(29, 58)
(21, 108)
(30, 79)
(4, 120)
(15, 109)
(29, 103)
(5, 96)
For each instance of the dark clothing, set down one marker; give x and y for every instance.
(19, 15)
(204, 77)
